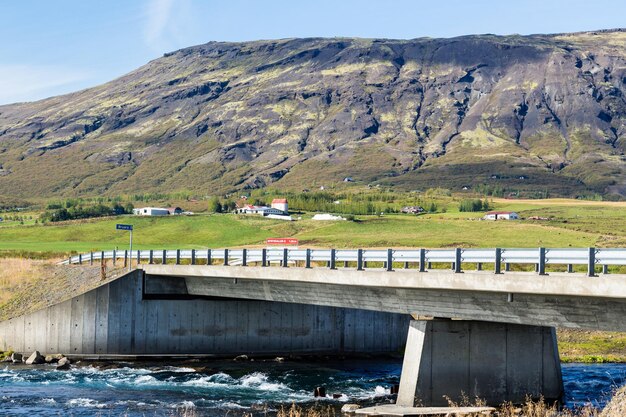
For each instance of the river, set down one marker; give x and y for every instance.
(233, 388)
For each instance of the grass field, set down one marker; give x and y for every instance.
(570, 224)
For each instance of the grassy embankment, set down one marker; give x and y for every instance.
(571, 224)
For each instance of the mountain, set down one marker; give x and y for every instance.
(532, 113)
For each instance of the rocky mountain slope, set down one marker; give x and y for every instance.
(542, 113)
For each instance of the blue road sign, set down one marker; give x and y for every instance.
(124, 226)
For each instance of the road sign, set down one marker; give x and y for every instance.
(128, 227)
(281, 241)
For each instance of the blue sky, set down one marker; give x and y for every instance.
(51, 47)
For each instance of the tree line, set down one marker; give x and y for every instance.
(470, 205)
(74, 212)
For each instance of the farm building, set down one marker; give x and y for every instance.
(151, 211)
(280, 204)
(413, 210)
(501, 215)
(260, 210)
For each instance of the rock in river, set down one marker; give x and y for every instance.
(35, 359)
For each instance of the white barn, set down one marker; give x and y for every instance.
(151, 211)
(501, 215)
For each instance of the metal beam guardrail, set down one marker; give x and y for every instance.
(423, 259)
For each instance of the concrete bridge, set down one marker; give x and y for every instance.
(471, 324)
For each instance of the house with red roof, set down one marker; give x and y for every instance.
(501, 215)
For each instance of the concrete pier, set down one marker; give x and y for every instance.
(496, 362)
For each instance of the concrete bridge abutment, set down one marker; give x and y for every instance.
(496, 362)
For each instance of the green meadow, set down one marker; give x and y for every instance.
(570, 223)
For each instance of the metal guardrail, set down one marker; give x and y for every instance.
(423, 259)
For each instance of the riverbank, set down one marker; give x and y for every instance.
(28, 285)
(586, 346)
(615, 408)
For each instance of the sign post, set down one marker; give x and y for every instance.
(282, 241)
(128, 227)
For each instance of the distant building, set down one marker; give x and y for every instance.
(413, 210)
(326, 217)
(260, 210)
(501, 215)
(175, 210)
(151, 211)
(280, 204)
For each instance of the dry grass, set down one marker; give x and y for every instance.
(315, 411)
(617, 406)
(18, 271)
(542, 409)
(539, 408)
(28, 285)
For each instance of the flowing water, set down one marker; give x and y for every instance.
(231, 388)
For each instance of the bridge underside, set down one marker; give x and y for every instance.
(496, 298)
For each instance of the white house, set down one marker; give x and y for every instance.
(151, 211)
(261, 210)
(501, 215)
(280, 204)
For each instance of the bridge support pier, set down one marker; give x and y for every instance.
(496, 362)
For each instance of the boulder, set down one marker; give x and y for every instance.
(63, 364)
(16, 358)
(54, 358)
(35, 358)
(241, 358)
(350, 408)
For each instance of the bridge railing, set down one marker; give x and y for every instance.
(422, 259)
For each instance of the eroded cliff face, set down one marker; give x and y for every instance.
(530, 113)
